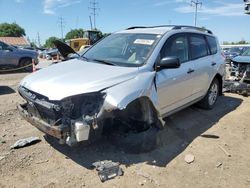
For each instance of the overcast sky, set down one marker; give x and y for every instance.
(225, 18)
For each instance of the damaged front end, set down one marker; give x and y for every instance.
(71, 120)
(237, 78)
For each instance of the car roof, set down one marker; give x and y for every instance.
(160, 30)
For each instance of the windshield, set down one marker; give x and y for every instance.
(234, 50)
(124, 49)
(246, 53)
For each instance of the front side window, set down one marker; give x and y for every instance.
(3, 46)
(212, 44)
(176, 47)
(124, 49)
(198, 46)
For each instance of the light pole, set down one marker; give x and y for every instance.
(247, 6)
(196, 3)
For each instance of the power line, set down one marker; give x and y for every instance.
(61, 23)
(94, 8)
(196, 3)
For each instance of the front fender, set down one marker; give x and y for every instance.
(119, 96)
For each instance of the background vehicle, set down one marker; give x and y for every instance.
(128, 82)
(90, 37)
(241, 66)
(11, 56)
(233, 52)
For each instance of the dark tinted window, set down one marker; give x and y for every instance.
(3, 46)
(198, 46)
(177, 47)
(212, 44)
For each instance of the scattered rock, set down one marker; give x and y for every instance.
(2, 157)
(25, 142)
(189, 158)
(3, 141)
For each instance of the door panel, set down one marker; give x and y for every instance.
(174, 86)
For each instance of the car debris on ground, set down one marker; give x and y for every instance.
(25, 142)
(107, 170)
(225, 151)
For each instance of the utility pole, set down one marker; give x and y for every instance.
(94, 8)
(38, 40)
(196, 3)
(90, 20)
(61, 23)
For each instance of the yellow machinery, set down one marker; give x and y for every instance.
(90, 37)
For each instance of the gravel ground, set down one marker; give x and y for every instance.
(207, 135)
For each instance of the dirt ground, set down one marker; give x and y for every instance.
(204, 134)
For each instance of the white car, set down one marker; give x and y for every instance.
(129, 81)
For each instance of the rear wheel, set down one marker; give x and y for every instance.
(27, 64)
(209, 101)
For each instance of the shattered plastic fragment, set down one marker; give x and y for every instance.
(25, 142)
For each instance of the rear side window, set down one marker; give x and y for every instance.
(212, 44)
(198, 46)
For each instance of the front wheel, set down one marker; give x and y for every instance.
(26, 64)
(209, 101)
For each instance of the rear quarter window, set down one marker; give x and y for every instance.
(198, 46)
(212, 44)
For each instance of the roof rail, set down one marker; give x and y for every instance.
(173, 27)
(193, 27)
(137, 27)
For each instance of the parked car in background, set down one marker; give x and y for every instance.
(233, 52)
(11, 56)
(128, 82)
(242, 66)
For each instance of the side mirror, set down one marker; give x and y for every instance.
(169, 63)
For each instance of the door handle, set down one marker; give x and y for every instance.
(190, 71)
(213, 63)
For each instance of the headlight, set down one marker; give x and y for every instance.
(85, 105)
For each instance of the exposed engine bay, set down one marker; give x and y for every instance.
(237, 79)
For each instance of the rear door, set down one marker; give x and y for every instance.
(174, 86)
(203, 63)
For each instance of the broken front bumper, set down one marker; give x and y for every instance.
(55, 131)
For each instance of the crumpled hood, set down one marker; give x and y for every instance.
(76, 77)
(242, 59)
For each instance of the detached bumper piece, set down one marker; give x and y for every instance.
(55, 131)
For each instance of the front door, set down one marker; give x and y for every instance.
(174, 86)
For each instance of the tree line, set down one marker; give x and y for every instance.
(14, 30)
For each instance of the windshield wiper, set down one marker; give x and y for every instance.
(103, 61)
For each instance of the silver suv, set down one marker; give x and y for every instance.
(128, 82)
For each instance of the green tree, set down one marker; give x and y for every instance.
(11, 30)
(49, 42)
(74, 33)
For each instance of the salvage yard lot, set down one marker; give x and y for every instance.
(208, 135)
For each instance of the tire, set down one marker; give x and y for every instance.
(141, 142)
(25, 62)
(209, 101)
